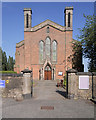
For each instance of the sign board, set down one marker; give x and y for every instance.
(60, 73)
(2, 83)
(83, 82)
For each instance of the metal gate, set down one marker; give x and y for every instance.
(94, 85)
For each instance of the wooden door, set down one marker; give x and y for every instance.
(47, 75)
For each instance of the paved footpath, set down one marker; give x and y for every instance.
(47, 94)
(47, 90)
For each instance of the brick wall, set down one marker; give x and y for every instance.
(29, 52)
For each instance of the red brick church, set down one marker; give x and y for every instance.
(46, 47)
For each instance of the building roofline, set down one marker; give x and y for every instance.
(50, 21)
(68, 8)
(45, 23)
(27, 9)
(20, 44)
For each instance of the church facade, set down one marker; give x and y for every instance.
(46, 48)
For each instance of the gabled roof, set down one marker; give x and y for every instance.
(20, 44)
(50, 23)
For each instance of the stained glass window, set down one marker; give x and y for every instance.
(41, 48)
(54, 51)
(47, 47)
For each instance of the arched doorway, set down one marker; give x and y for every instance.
(47, 72)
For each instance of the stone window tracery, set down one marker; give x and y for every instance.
(41, 54)
(54, 51)
(47, 48)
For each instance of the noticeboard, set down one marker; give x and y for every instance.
(83, 82)
(60, 73)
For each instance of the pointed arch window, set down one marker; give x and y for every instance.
(41, 51)
(48, 68)
(47, 30)
(27, 21)
(48, 47)
(54, 51)
(69, 19)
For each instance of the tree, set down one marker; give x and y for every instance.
(0, 59)
(88, 41)
(10, 64)
(3, 60)
(77, 56)
(4, 63)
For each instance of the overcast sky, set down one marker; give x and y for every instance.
(13, 19)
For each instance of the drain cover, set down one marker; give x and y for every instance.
(47, 107)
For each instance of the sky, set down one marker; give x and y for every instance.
(13, 20)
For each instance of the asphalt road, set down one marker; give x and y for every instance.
(47, 94)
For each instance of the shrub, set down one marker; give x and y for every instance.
(64, 82)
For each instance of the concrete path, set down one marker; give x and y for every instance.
(47, 94)
(47, 90)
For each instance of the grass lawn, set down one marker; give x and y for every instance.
(7, 72)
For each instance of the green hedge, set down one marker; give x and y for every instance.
(64, 82)
(7, 72)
